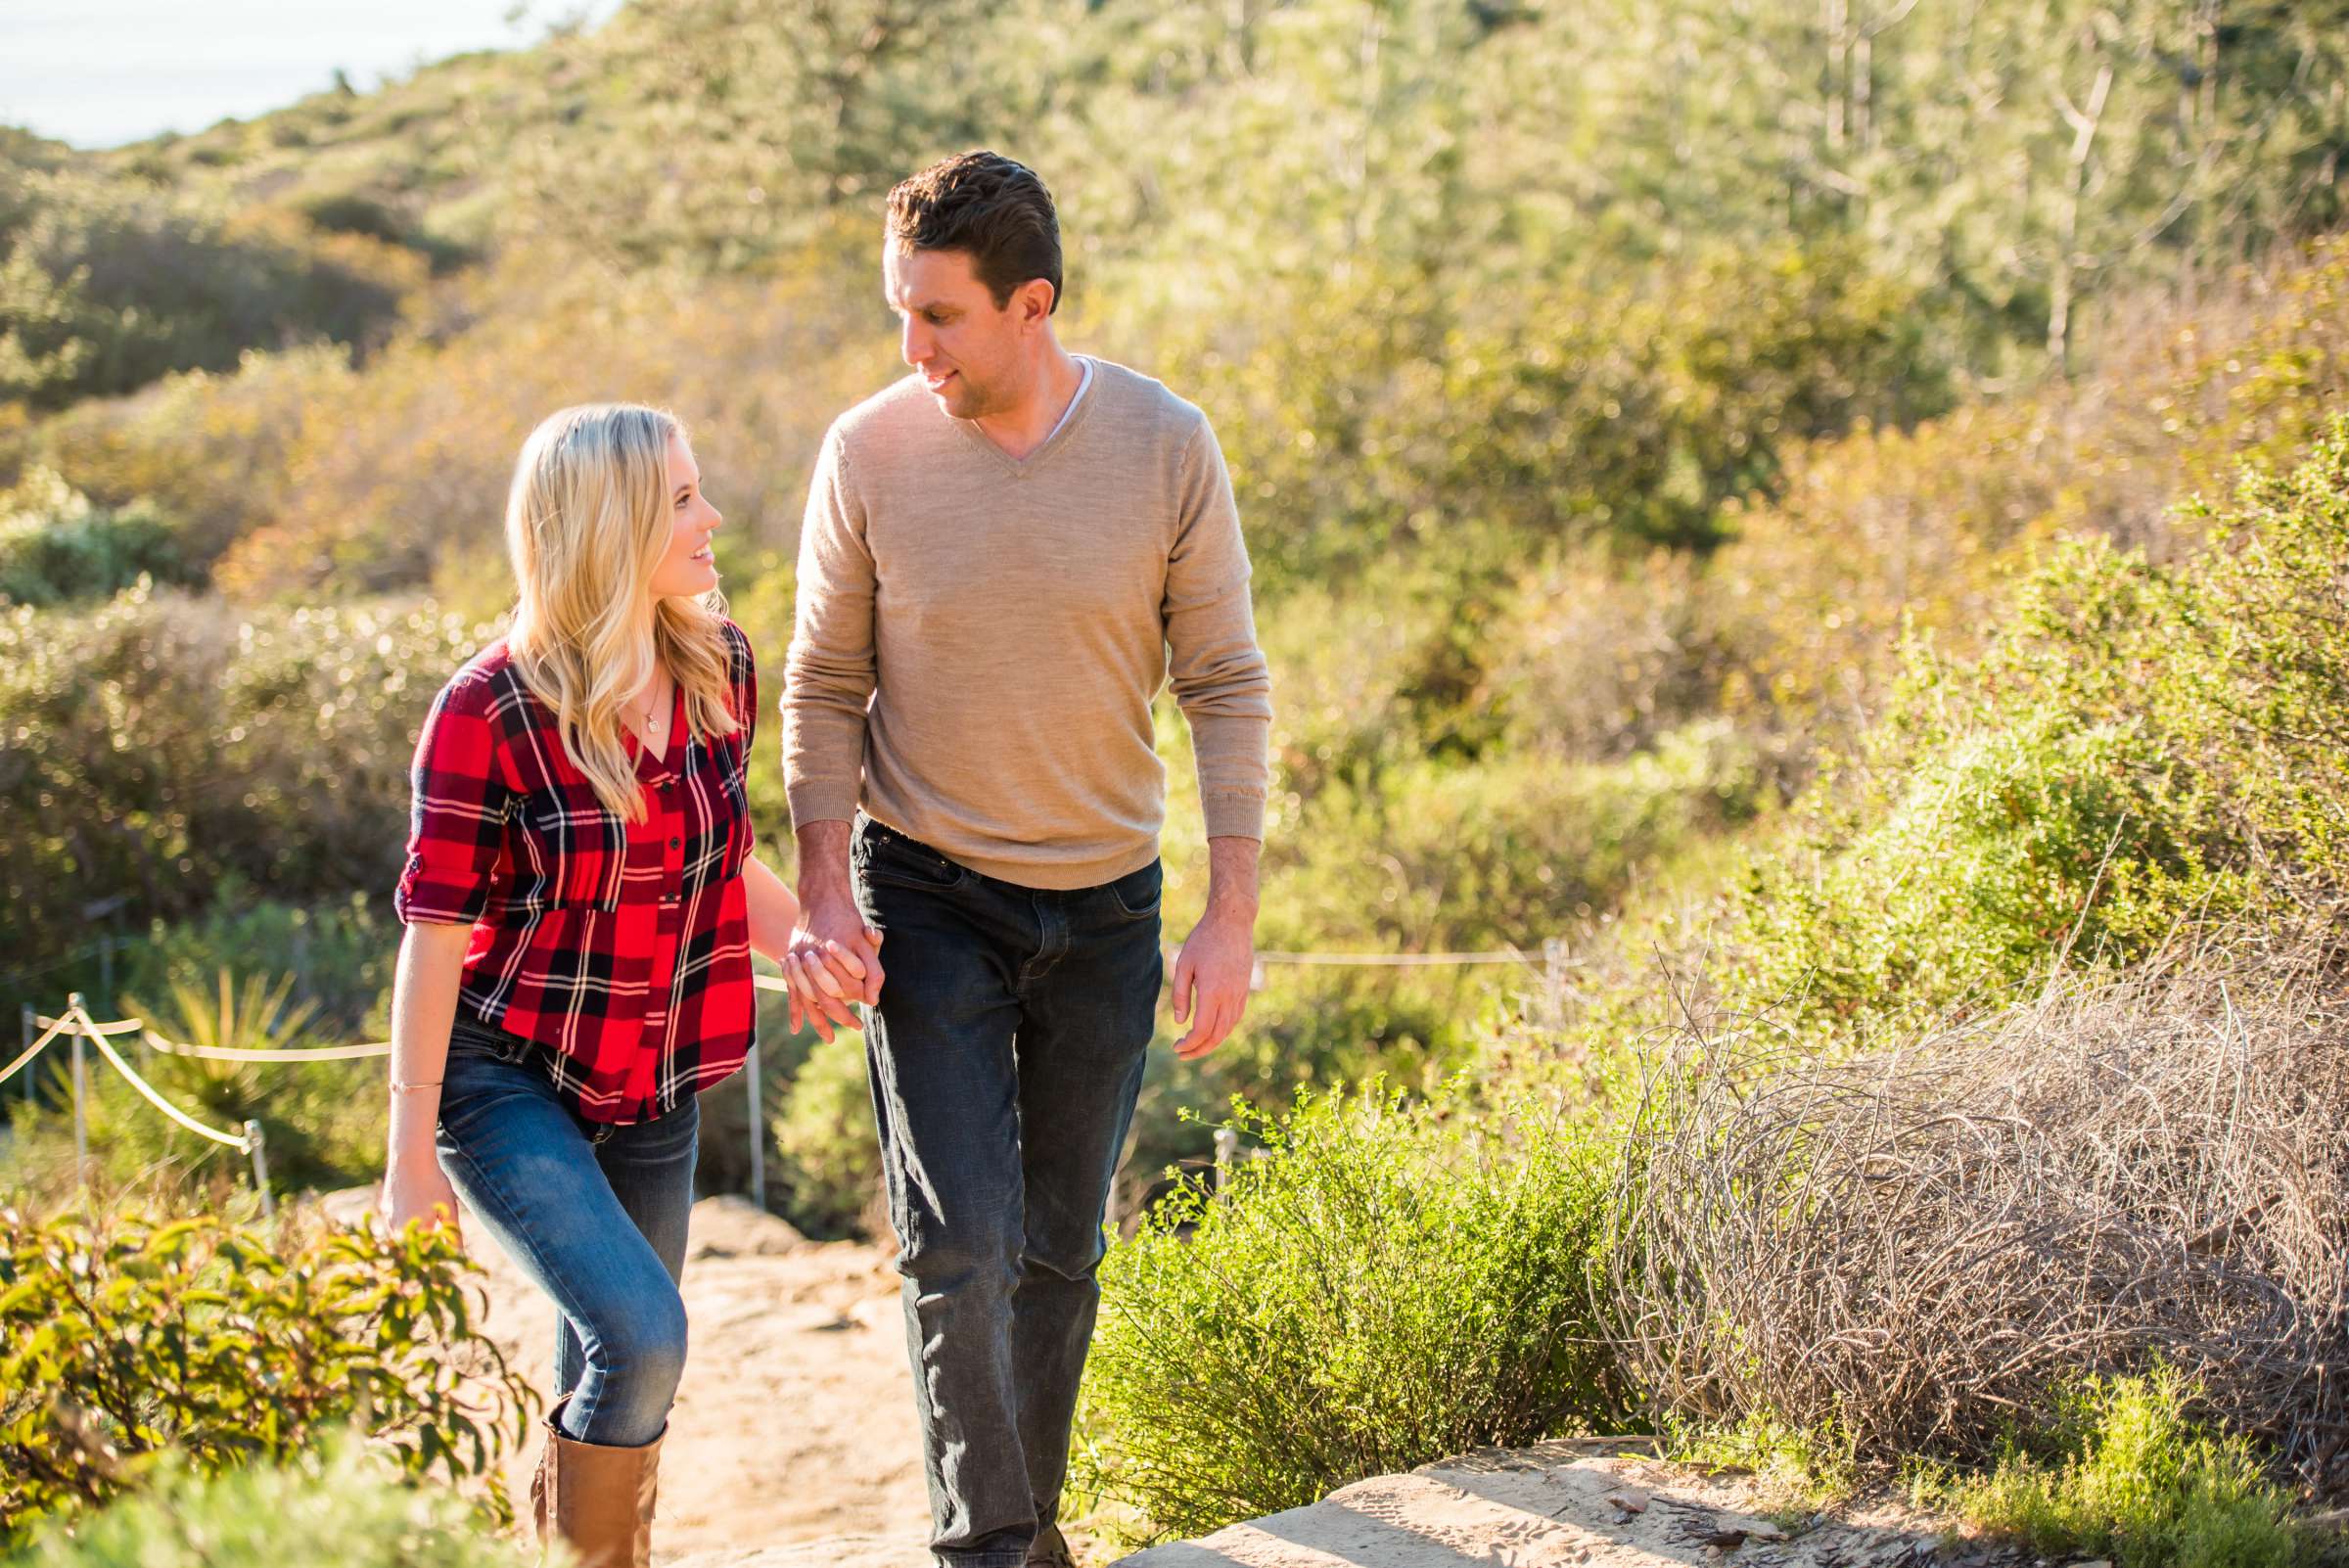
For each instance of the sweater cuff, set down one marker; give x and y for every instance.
(817, 800)
(1233, 816)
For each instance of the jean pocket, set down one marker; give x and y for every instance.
(478, 1041)
(902, 862)
(1137, 892)
(478, 1090)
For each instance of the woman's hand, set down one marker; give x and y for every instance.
(817, 995)
(418, 1189)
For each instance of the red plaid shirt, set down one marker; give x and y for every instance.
(622, 950)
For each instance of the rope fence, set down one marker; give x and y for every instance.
(288, 1053)
(1396, 961)
(76, 1025)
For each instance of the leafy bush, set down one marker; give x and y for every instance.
(2128, 1474)
(105, 287)
(2145, 747)
(831, 1164)
(1387, 1285)
(1366, 413)
(215, 454)
(55, 546)
(1428, 855)
(128, 1338)
(339, 953)
(160, 746)
(333, 1504)
(323, 1120)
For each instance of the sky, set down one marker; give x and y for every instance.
(102, 72)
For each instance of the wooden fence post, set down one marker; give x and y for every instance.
(258, 1144)
(750, 1071)
(81, 1124)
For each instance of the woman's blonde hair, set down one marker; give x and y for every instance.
(587, 522)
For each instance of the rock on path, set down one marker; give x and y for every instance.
(1554, 1506)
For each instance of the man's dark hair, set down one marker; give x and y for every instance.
(988, 206)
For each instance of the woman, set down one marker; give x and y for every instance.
(582, 901)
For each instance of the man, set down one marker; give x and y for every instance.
(1005, 556)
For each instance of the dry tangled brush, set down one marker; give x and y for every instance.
(1923, 1246)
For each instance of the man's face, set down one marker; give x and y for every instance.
(966, 349)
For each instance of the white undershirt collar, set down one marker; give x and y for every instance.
(1087, 381)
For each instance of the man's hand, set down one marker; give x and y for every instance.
(834, 957)
(1218, 958)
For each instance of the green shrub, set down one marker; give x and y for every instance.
(104, 287)
(128, 1338)
(2130, 1475)
(333, 1506)
(166, 750)
(831, 1156)
(323, 1120)
(2145, 748)
(338, 953)
(1365, 413)
(1387, 1285)
(214, 453)
(55, 546)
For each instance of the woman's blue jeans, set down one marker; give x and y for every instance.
(594, 1213)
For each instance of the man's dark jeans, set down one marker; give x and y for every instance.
(1006, 1057)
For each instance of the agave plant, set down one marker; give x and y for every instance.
(322, 1130)
(259, 1013)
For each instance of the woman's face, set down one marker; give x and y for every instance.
(686, 567)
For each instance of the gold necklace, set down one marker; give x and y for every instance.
(650, 725)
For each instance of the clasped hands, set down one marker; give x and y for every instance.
(834, 962)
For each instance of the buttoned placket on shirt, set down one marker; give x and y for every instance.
(663, 833)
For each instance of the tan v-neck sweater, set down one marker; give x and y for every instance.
(979, 637)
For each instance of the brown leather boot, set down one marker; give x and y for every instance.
(597, 1498)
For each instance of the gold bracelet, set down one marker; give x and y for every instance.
(398, 1088)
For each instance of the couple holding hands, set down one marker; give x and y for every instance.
(1005, 556)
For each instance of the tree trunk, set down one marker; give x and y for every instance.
(2061, 285)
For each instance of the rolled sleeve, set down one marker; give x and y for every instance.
(457, 818)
